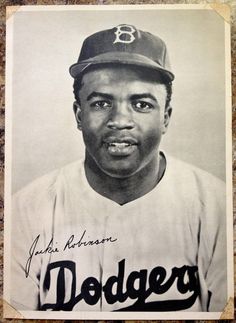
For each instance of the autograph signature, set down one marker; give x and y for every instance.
(70, 243)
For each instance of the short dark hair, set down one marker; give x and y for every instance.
(168, 85)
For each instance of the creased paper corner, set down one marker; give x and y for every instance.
(10, 312)
(222, 9)
(228, 312)
(10, 10)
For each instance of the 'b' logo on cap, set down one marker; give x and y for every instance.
(124, 30)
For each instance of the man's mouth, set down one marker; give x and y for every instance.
(120, 147)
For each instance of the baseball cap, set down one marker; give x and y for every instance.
(124, 44)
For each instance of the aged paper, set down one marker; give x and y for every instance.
(115, 196)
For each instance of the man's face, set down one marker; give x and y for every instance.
(122, 116)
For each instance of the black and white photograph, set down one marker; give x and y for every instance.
(118, 194)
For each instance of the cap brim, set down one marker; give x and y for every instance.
(120, 58)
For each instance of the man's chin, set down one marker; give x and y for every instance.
(119, 173)
(119, 169)
(115, 167)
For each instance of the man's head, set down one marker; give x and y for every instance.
(122, 99)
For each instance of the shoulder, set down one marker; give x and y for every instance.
(202, 195)
(190, 176)
(47, 186)
(196, 189)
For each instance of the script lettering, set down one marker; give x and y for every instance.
(139, 286)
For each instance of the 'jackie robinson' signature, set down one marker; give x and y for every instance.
(70, 243)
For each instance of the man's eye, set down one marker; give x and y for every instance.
(142, 106)
(101, 105)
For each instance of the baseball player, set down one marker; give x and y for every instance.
(128, 228)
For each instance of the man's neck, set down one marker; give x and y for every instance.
(124, 190)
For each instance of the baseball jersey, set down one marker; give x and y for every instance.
(74, 249)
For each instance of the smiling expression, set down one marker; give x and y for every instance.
(122, 116)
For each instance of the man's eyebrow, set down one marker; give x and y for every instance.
(95, 94)
(143, 96)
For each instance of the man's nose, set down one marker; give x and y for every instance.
(121, 117)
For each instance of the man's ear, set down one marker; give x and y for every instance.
(77, 112)
(167, 115)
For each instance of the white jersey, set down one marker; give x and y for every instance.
(77, 250)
